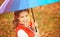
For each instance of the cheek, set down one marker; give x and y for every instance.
(29, 18)
(21, 19)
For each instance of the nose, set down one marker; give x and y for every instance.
(25, 18)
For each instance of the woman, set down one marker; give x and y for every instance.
(24, 25)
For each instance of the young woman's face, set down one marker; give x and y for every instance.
(24, 17)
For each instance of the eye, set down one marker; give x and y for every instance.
(26, 15)
(22, 16)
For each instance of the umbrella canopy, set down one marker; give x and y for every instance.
(45, 2)
(22, 4)
(3, 6)
(14, 5)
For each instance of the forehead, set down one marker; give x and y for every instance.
(23, 13)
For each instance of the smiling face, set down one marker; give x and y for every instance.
(24, 18)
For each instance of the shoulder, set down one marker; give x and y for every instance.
(18, 28)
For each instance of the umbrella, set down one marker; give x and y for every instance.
(13, 5)
(22, 4)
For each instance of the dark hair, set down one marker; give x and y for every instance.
(16, 15)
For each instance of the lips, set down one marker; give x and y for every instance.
(25, 21)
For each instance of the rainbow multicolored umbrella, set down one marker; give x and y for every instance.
(14, 5)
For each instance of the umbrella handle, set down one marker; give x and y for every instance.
(32, 14)
(33, 18)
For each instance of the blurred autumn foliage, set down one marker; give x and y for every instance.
(47, 17)
(6, 25)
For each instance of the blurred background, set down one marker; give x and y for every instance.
(47, 17)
